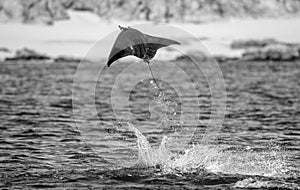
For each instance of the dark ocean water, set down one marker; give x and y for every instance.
(42, 147)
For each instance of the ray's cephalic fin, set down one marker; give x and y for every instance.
(123, 28)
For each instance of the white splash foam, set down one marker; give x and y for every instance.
(209, 157)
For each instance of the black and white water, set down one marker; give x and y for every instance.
(43, 147)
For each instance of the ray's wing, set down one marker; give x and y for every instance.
(125, 44)
(119, 54)
(156, 42)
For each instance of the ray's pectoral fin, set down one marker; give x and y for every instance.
(120, 54)
(158, 42)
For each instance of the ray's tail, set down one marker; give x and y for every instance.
(148, 63)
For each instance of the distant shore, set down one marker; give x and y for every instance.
(76, 36)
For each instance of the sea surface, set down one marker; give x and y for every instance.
(61, 128)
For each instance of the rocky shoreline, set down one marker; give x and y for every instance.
(27, 54)
(258, 50)
(267, 49)
(192, 11)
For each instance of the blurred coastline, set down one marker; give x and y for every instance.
(70, 28)
(191, 11)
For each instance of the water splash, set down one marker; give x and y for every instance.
(211, 158)
(249, 162)
(163, 104)
(147, 155)
(258, 183)
(199, 157)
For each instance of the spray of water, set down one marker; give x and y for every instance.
(199, 157)
(148, 156)
(210, 158)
